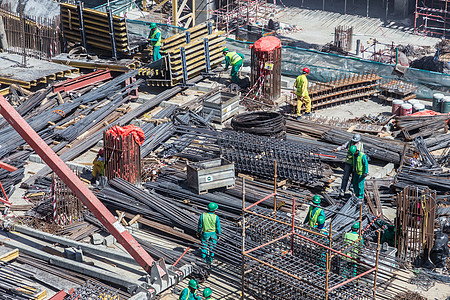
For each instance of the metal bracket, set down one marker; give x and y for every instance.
(188, 37)
(81, 20)
(111, 32)
(207, 72)
(184, 83)
(209, 26)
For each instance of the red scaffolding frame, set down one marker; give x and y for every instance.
(432, 17)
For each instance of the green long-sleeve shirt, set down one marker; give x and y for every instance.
(227, 59)
(200, 224)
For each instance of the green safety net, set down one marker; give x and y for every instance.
(326, 66)
(141, 28)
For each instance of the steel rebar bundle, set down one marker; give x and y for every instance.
(260, 123)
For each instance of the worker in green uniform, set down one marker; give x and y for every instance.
(155, 40)
(352, 248)
(320, 223)
(208, 230)
(348, 169)
(234, 60)
(190, 292)
(388, 235)
(207, 294)
(314, 212)
(301, 85)
(360, 171)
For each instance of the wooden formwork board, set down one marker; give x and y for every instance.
(194, 31)
(196, 57)
(213, 38)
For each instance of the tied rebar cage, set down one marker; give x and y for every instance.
(122, 157)
(295, 262)
(38, 38)
(265, 78)
(67, 207)
(416, 209)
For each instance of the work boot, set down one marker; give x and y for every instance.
(341, 193)
(308, 114)
(299, 118)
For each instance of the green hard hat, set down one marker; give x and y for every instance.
(213, 206)
(316, 199)
(321, 220)
(207, 292)
(152, 25)
(225, 50)
(352, 149)
(355, 225)
(193, 284)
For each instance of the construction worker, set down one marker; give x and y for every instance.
(360, 171)
(314, 212)
(208, 230)
(320, 222)
(352, 248)
(388, 235)
(355, 141)
(207, 294)
(301, 84)
(98, 169)
(154, 39)
(234, 60)
(190, 292)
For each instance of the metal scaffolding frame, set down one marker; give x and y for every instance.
(432, 17)
(293, 262)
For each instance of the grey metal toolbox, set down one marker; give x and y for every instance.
(210, 174)
(223, 106)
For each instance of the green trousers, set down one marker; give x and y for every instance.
(358, 185)
(156, 54)
(234, 71)
(209, 240)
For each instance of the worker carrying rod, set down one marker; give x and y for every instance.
(301, 84)
(348, 168)
(234, 60)
(312, 218)
(208, 230)
(154, 39)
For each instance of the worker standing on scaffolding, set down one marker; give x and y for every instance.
(352, 247)
(301, 84)
(360, 171)
(190, 292)
(314, 212)
(208, 229)
(355, 141)
(154, 38)
(234, 60)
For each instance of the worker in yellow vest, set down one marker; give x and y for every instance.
(234, 60)
(314, 212)
(348, 169)
(154, 39)
(360, 171)
(353, 249)
(207, 294)
(301, 86)
(98, 169)
(209, 229)
(190, 293)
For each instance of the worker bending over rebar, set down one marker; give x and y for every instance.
(348, 168)
(312, 218)
(234, 60)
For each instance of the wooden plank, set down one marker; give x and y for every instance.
(9, 256)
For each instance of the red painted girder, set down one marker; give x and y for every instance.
(82, 81)
(76, 185)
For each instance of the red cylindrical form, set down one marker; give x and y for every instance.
(266, 69)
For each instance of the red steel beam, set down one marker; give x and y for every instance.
(82, 81)
(7, 167)
(76, 185)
